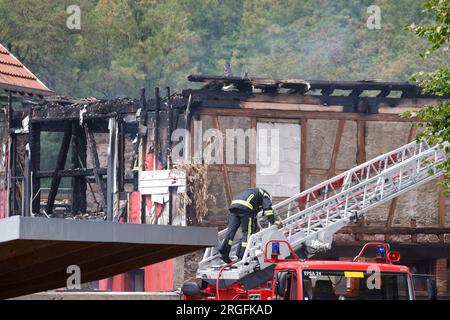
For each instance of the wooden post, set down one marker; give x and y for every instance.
(441, 275)
(12, 171)
(121, 154)
(361, 142)
(11, 164)
(92, 146)
(170, 130)
(303, 152)
(82, 156)
(252, 152)
(75, 181)
(143, 143)
(337, 144)
(111, 170)
(35, 165)
(361, 157)
(169, 153)
(26, 195)
(78, 161)
(156, 131)
(392, 209)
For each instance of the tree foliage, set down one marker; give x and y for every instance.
(127, 44)
(435, 120)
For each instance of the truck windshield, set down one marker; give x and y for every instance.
(355, 285)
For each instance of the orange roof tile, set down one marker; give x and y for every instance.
(14, 76)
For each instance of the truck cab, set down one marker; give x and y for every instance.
(338, 280)
(373, 278)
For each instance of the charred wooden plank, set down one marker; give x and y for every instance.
(12, 169)
(35, 163)
(48, 113)
(78, 172)
(27, 186)
(111, 170)
(361, 142)
(374, 85)
(79, 185)
(121, 153)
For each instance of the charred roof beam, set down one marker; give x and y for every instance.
(408, 90)
(384, 92)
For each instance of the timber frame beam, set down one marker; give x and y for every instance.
(396, 230)
(378, 89)
(299, 114)
(409, 252)
(308, 103)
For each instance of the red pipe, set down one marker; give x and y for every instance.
(219, 275)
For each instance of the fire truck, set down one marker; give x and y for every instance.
(364, 278)
(309, 221)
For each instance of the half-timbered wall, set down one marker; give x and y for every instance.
(326, 147)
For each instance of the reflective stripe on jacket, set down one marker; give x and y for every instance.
(252, 200)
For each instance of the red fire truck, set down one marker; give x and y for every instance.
(373, 277)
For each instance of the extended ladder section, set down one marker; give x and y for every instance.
(311, 218)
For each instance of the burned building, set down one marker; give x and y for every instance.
(324, 128)
(86, 162)
(117, 160)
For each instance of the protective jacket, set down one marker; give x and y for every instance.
(251, 201)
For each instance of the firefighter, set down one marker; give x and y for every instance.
(243, 211)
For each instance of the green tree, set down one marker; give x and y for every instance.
(127, 44)
(436, 119)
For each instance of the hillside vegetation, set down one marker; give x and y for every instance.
(128, 44)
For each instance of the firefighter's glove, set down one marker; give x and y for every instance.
(279, 224)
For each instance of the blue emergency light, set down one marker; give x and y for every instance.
(381, 252)
(275, 248)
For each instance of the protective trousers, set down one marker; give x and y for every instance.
(247, 222)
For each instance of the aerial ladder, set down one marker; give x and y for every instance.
(312, 217)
